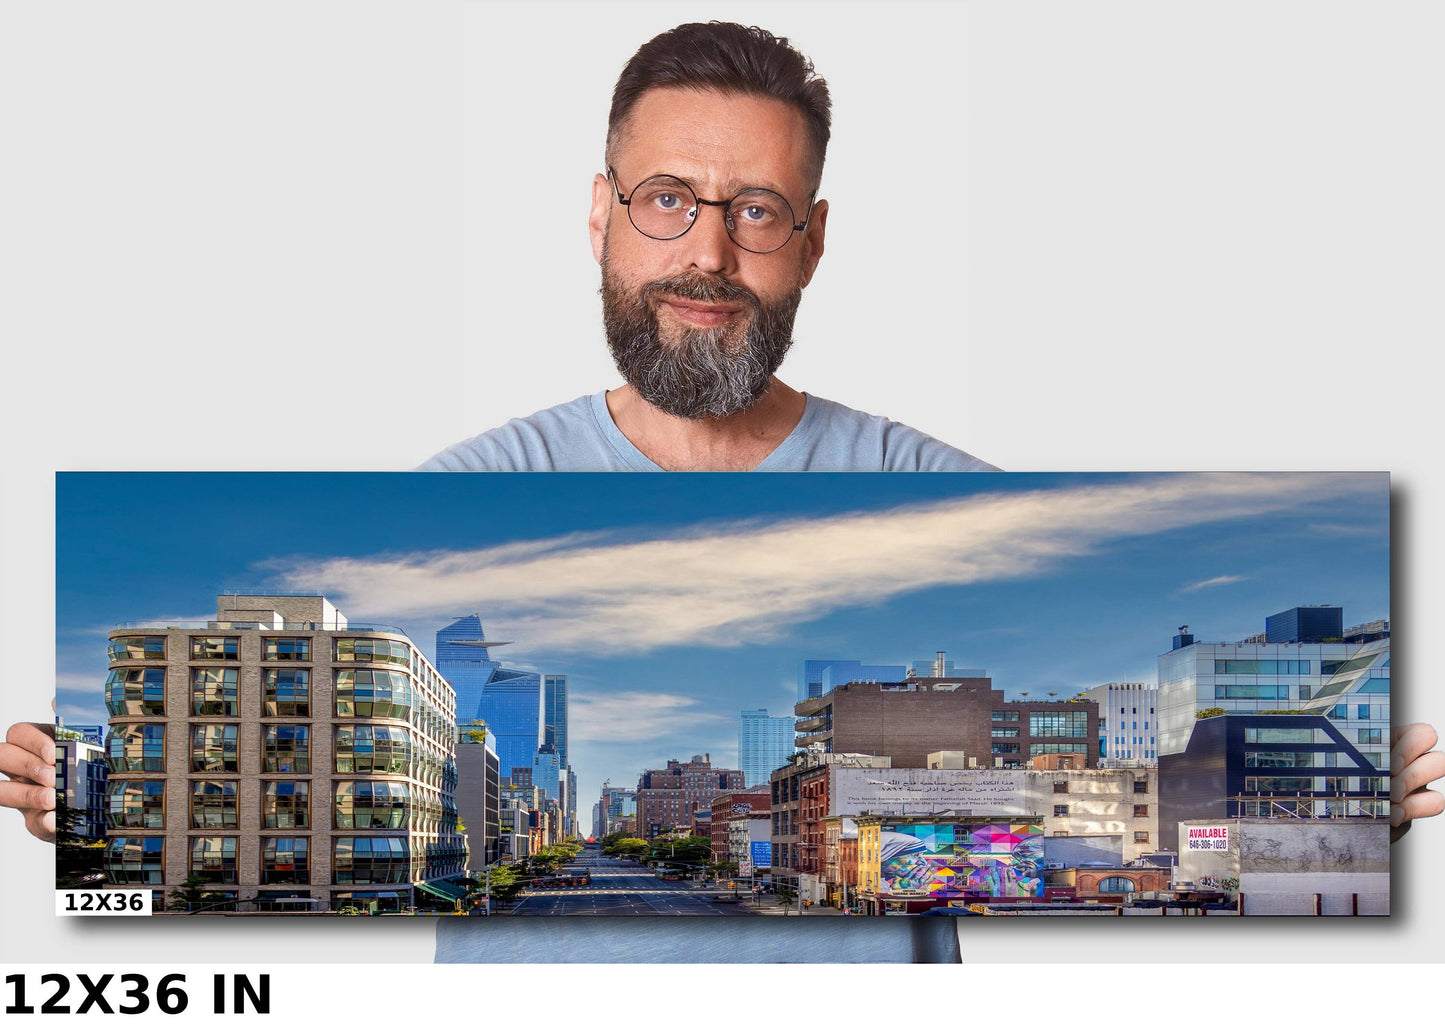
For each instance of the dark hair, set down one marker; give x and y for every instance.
(730, 58)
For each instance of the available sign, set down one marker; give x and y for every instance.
(1206, 838)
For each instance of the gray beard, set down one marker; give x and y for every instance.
(708, 373)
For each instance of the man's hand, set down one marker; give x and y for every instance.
(28, 758)
(1413, 767)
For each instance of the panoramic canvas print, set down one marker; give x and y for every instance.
(371, 695)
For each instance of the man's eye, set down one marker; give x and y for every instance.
(668, 201)
(756, 213)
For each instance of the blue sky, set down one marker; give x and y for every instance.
(672, 601)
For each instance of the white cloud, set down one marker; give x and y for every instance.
(1211, 582)
(729, 584)
(631, 715)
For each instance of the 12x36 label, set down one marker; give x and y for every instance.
(103, 902)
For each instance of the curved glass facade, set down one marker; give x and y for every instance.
(286, 749)
(213, 805)
(214, 749)
(372, 649)
(361, 749)
(213, 692)
(370, 859)
(135, 748)
(286, 805)
(214, 858)
(372, 805)
(135, 803)
(286, 692)
(137, 647)
(284, 859)
(135, 861)
(373, 694)
(136, 692)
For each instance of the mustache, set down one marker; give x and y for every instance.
(701, 288)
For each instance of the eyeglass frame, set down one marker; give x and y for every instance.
(724, 203)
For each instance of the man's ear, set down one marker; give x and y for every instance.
(813, 239)
(602, 196)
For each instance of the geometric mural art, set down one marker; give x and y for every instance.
(947, 861)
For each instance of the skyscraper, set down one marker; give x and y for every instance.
(764, 743)
(509, 701)
(554, 719)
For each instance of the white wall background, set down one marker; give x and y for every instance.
(1103, 236)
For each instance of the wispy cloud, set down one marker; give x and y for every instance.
(732, 583)
(1200, 585)
(631, 715)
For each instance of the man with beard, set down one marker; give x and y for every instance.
(708, 228)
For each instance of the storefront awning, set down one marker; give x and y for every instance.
(446, 891)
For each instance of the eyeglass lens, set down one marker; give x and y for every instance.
(759, 220)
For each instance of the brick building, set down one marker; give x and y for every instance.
(668, 799)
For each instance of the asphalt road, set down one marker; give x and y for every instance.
(623, 888)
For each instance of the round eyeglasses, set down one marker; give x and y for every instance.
(664, 207)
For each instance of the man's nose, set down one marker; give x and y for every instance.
(707, 245)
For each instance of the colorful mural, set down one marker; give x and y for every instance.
(945, 861)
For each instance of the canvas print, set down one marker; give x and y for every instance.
(379, 695)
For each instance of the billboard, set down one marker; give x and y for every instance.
(944, 861)
(927, 791)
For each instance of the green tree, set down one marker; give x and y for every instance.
(478, 733)
(76, 856)
(192, 894)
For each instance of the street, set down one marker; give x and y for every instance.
(623, 888)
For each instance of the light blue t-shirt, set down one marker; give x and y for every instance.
(580, 436)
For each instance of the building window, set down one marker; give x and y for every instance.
(228, 648)
(286, 649)
(136, 861)
(1141, 811)
(1374, 784)
(367, 805)
(133, 748)
(1269, 759)
(124, 649)
(1005, 731)
(136, 692)
(1141, 786)
(213, 692)
(1278, 784)
(1059, 724)
(1340, 712)
(1005, 749)
(1305, 691)
(1061, 811)
(285, 749)
(136, 803)
(1141, 837)
(1362, 711)
(1375, 736)
(213, 858)
(286, 805)
(1117, 884)
(370, 859)
(1251, 692)
(1262, 667)
(1061, 786)
(213, 805)
(1061, 832)
(364, 749)
(372, 649)
(1277, 735)
(284, 860)
(1058, 749)
(373, 694)
(214, 749)
(1000, 715)
(285, 692)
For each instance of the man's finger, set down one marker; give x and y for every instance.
(36, 738)
(41, 825)
(1417, 806)
(1418, 774)
(1409, 742)
(26, 766)
(27, 796)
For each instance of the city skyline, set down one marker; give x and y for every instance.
(672, 603)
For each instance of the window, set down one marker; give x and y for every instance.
(1059, 724)
(1374, 736)
(286, 649)
(285, 749)
(136, 861)
(367, 805)
(136, 803)
(1374, 784)
(1262, 667)
(1061, 832)
(370, 859)
(1001, 715)
(1375, 685)
(362, 749)
(1005, 731)
(373, 693)
(213, 858)
(1116, 884)
(1251, 692)
(1362, 711)
(213, 805)
(1305, 691)
(1141, 811)
(216, 647)
(1277, 735)
(1061, 811)
(1278, 784)
(1058, 749)
(1005, 749)
(124, 649)
(285, 692)
(213, 692)
(1269, 759)
(1340, 712)
(134, 748)
(286, 805)
(214, 749)
(1061, 786)
(1141, 786)
(1141, 837)
(372, 649)
(136, 692)
(284, 860)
